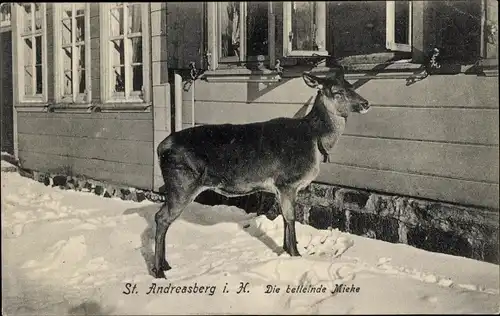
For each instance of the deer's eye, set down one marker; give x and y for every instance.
(337, 96)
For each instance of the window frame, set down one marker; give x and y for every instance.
(321, 14)
(390, 28)
(106, 82)
(76, 97)
(19, 35)
(214, 48)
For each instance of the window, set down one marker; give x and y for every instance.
(304, 28)
(398, 25)
(353, 32)
(239, 32)
(243, 30)
(5, 15)
(456, 27)
(124, 46)
(72, 54)
(31, 47)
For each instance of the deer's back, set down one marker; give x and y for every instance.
(282, 148)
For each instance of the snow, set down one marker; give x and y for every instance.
(67, 252)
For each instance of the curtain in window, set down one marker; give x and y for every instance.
(230, 25)
(135, 25)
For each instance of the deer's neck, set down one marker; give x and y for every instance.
(326, 125)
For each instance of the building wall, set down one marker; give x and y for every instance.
(116, 146)
(436, 139)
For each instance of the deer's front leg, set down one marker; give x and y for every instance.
(287, 201)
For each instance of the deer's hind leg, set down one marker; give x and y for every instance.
(181, 188)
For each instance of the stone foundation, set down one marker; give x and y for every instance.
(430, 225)
(435, 226)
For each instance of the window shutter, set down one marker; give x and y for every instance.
(186, 34)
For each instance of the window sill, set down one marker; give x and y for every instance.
(489, 67)
(241, 74)
(84, 107)
(399, 70)
(67, 107)
(24, 106)
(122, 106)
(403, 69)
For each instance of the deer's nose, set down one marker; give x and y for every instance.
(365, 104)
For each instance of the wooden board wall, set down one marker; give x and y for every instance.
(111, 147)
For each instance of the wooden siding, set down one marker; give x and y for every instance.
(113, 147)
(437, 139)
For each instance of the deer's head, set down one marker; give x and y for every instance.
(336, 94)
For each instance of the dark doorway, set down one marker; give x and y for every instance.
(6, 92)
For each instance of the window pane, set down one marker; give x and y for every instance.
(67, 70)
(136, 49)
(27, 17)
(230, 28)
(134, 19)
(38, 47)
(5, 14)
(303, 25)
(137, 78)
(28, 80)
(117, 53)
(66, 32)
(68, 82)
(80, 29)
(80, 8)
(67, 10)
(80, 52)
(456, 29)
(257, 28)
(39, 83)
(67, 57)
(363, 32)
(28, 51)
(116, 23)
(38, 16)
(402, 22)
(81, 81)
(119, 74)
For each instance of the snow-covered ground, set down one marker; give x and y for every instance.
(68, 252)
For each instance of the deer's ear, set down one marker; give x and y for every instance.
(312, 81)
(347, 84)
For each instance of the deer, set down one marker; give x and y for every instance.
(280, 156)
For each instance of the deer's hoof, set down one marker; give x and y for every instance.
(159, 274)
(293, 252)
(165, 266)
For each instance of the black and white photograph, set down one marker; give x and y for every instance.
(232, 158)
